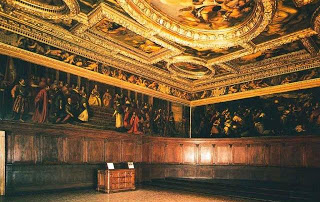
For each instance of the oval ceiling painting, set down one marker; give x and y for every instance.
(205, 14)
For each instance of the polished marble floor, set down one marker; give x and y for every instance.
(140, 195)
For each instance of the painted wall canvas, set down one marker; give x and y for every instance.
(285, 114)
(32, 93)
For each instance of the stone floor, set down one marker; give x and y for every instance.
(141, 195)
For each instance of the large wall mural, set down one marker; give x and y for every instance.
(32, 93)
(294, 113)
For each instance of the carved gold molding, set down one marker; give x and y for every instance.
(68, 10)
(300, 3)
(259, 92)
(310, 45)
(146, 15)
(288, 63)
(175, 70)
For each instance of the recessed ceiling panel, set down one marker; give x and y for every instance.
(262, 55)
(124, 35)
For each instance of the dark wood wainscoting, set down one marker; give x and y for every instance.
(298, 151)
(44, 157)
(296, 176)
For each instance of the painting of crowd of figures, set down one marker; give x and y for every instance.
(283, 114)
(41, 95)
(32, 93)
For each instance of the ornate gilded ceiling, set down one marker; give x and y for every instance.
(189, 51)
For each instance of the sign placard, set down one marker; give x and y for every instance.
(110, 166)
(130, 165)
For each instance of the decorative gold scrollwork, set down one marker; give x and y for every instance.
(68, 9)
(167, 28)
(190, 67)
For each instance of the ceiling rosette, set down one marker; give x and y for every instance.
(212, 23)
(190, 67)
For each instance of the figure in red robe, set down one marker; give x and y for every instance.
(41, 106)
(126, 122)
(134, 122)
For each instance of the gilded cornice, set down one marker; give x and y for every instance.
(259, 92)
(68, 10)
(292, 62)
(289, 38)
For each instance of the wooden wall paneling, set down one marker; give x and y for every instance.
(9, 147)
(85, 154)
(64, 156)
(189, 153)
(51, 149)
(222, 154)
(189, 171)
(138, 151)
(37, 149)
(174, 171)
(206, 154)
(275, 154)
(95, 151)
(292, 155)
(75, 149)
(23, 149)
(239, 154)
(146, 151)
(113, 151)
(158, 152)
(257, 154)
(205, 171)
(128, 150)
(312, 155)
(197, 154)
(173, 153)
(2, 163)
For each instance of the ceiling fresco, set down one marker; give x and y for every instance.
(287, 19)
(205, 14)
(195, 48)
(126, 36)
(262, 55)
(210, 53)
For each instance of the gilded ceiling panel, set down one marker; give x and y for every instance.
(287, 19)
(161, 65)
(124, 35)
(262, 55)
(209, 54)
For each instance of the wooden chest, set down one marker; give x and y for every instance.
(116, 180)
